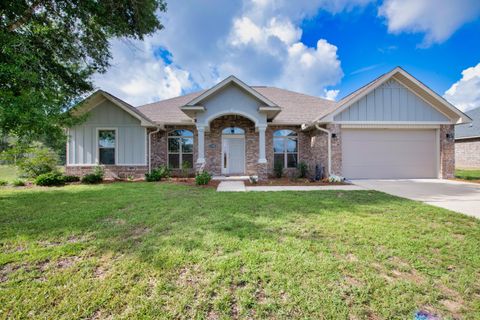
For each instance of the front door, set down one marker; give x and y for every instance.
(233, 155)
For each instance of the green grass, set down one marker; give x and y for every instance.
(467, 174)
(140, 250)
(8, 173)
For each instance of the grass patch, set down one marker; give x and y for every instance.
(150, 250)
(467, 174)
(8, 173)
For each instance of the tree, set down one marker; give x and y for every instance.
(49, 51)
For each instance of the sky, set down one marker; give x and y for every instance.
(317, 47)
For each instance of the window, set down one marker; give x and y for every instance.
(285, 148)
(106, 146)
(180, 148)
(233, 130)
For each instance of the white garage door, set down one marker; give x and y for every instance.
(389, 154)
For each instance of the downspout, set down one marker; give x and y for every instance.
(329, 156)
(150, 149)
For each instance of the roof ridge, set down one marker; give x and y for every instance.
(169, 99)
(296, 92)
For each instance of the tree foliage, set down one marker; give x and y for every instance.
(49, 51)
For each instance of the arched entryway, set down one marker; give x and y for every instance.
(233, 151)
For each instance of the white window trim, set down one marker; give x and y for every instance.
(97, 156)
(285, 152)
(180, 153)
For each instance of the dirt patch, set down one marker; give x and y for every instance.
(6, 270)
(260, 295)
(189, 276)
(453, 307)
(138, 232)
(98, 314)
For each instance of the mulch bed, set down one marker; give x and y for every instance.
(293, 182)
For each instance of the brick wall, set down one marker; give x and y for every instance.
(159, 155)
(467, 153)
(447, 152)
(111, 172)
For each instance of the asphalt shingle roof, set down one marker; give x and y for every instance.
(297, 108)
(469, 129)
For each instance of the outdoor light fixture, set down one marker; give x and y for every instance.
(334, 135)
(450, 136)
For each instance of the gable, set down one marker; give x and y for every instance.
(108, 114)
(231, 99)
(391, 101)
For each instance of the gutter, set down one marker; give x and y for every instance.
(329, 156)
(150, 148)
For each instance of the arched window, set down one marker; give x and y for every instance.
(233, 130)
(285, 148)
(180, 148)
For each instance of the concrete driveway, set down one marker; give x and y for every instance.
(457, 196)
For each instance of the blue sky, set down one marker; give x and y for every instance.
(367, 49)
(325, 48)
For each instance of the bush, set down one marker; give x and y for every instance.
(3, 183)
(38, 160)
(71, 178)
(162, 172)
(95, 177)
(186, 166)
(18, 183)
(278, 169)
(203, 178)
(302, 170)
(49, 179)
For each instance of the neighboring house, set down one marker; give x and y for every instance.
(467, 142)
(394, 127)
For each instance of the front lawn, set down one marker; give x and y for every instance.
(159, 250)
(468, 174)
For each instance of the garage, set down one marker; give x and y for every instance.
(389, 153)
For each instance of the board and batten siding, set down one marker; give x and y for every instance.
(131, 137)
(391, 102)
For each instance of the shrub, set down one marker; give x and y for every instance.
(49, 179)
(71, 178)
(95, 177)
(203, 178)
(3, 183)
(278, 169)
(18, 183)
(302, 170)
(162, 172)
(38, 160)
(186, 169)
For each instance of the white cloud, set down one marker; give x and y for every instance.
(465, 93)
(257, 40)
(438, 19)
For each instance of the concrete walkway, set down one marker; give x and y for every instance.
(463, 197)
(239, 186)
(231, 186)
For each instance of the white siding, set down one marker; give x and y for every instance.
(82, 144)
(232, 100)
(391, 102)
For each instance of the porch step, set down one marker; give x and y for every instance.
(231, 178)
(231, 186)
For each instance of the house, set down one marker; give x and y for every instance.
(467, 142)
(393, 127)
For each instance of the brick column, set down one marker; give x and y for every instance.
(447, 151)
(336, 155)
